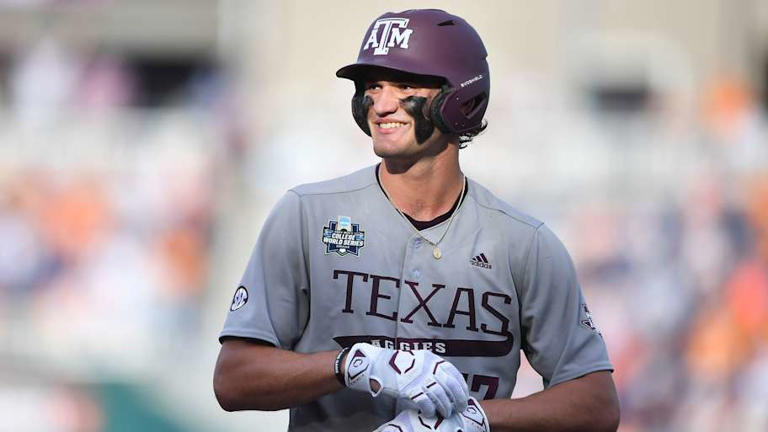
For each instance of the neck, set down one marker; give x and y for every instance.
(424, 189)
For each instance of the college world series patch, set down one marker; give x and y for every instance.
(343, 237)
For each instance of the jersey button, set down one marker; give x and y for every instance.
(416, 273)
(416, 242)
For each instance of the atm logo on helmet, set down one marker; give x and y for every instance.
(386, 33)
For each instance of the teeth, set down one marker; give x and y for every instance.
(390, 125)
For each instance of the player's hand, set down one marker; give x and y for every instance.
(472, 419)
(420, 379)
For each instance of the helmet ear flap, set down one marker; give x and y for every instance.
(360, 106)
(435, 110)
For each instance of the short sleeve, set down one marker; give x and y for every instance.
(560, 338)
(271, 301)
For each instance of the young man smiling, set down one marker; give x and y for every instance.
(407, 281)
(421, 176)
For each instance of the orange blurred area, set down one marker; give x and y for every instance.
(718, 348)
(183, 251)
(757, 211)
(728, 101)
(74, 217)
(747, 299)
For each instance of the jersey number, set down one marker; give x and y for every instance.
(477, 381)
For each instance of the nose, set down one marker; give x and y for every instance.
(386, 102)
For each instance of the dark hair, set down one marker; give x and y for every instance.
(467, 137)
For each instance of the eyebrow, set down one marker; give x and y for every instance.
(415, 84)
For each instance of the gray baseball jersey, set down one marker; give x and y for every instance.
(336, 264)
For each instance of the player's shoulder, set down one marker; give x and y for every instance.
(356, 181)
(494, 205)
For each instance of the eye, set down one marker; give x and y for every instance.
(406, 86)
(372, 86)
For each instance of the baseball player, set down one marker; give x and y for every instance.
(399, 297)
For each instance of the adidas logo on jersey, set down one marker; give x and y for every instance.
(480, 261)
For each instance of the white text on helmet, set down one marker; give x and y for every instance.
(391, 35)
(471, 80)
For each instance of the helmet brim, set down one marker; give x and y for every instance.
(362, 71)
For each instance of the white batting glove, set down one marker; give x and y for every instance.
(472, 419)
(420, 379)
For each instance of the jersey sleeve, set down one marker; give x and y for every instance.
(271, 302)
(560, 338)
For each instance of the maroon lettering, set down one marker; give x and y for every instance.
(376, 295)
(504, 329)
(470, 311)
(423, 303)
(484, 380)
(382, 305)
(447, 347)
(350, 282)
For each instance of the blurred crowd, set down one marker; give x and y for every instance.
(679, 282)
(106, 219)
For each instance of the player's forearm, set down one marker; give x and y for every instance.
(258, 377)
(588, 403)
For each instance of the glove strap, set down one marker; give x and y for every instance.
(358, 365)
(474, 416)
(337, 366)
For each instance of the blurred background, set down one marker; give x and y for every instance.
(142, 143)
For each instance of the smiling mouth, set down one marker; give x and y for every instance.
(391, 125)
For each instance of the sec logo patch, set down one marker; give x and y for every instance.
(240, 298)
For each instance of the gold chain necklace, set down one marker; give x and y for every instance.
(436, 252)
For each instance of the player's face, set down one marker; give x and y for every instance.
(393, 129)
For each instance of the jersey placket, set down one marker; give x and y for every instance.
(414, 278)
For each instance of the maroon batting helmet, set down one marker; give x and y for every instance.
(434, 44)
